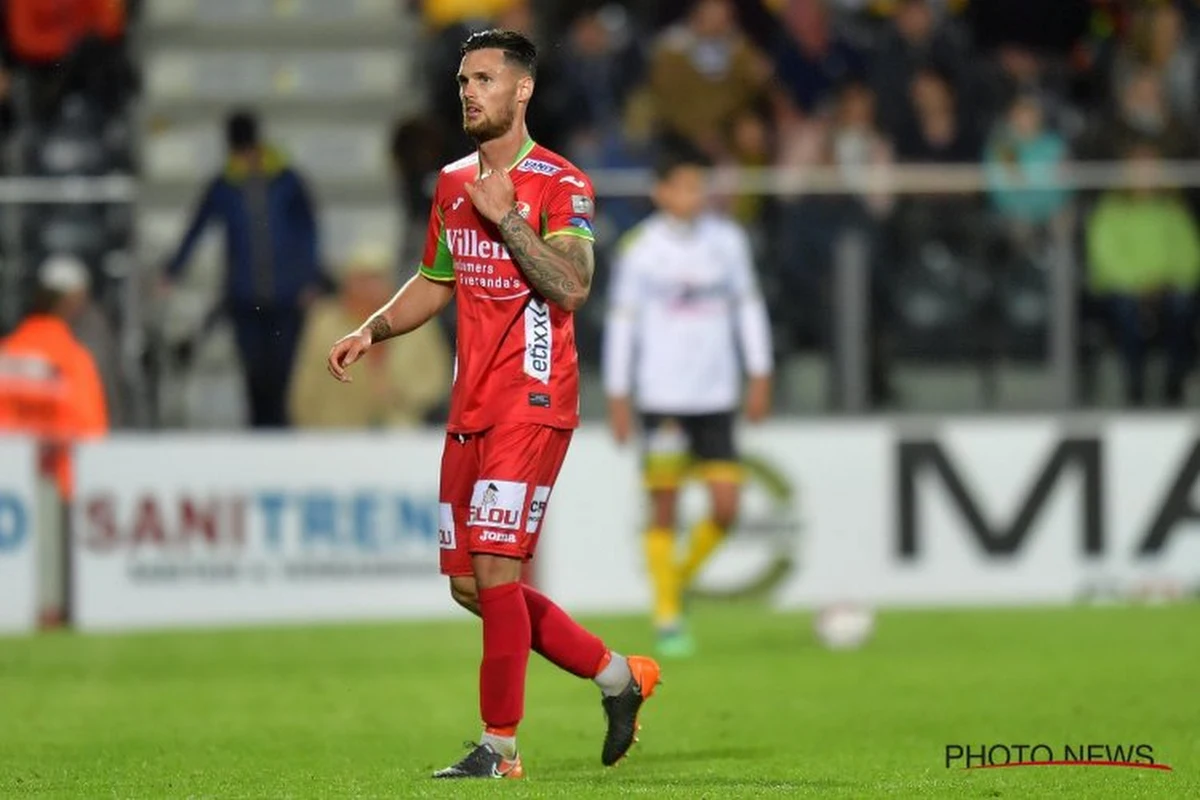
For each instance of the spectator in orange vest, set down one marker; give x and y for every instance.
(49, 385)
(70, 46)
(46, 31)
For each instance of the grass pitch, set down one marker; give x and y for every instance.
(369, 711)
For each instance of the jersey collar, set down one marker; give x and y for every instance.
(525, 150)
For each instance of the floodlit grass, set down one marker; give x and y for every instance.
(370, 711)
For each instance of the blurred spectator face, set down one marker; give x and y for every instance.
(713, 19)
(683, 193)
(856, 107)
(807, 22)
(1019, 64)
(931, 94)
(750, 137)
(1025, 118)
(489, 88)
(517, 17)
(590, 36)
(914, 21)
(1144, 168)
(1142, 103)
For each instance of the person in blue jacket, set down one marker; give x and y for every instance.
(273, 270)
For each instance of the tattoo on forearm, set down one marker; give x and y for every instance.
(561, 275)
(380, 328)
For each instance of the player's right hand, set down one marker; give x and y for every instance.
(346, 351)
(620, 419)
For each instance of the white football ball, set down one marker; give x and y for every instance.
(844, 626)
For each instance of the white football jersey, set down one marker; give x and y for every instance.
(684, 303)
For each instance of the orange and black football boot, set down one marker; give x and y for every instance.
(622, 709)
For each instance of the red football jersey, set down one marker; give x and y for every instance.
(516, 359)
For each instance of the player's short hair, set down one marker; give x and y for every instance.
(517, 47)
(674, 155)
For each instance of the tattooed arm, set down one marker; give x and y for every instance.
(560, 268)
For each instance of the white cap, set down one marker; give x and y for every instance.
(64, 273)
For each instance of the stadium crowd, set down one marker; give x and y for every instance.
(1021, 88)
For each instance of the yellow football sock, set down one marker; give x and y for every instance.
(664, 574)
(705, 537)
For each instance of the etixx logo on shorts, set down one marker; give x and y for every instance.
(497, 504)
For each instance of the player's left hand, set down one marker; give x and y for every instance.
(758, 398)
(493, 193)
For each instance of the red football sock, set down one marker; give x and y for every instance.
(506, 640)
(563, 641)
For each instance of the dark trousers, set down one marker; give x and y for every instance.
(1134, 320)
(266, 340)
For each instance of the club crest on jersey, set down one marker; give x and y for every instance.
(582, 204)
(539, 167)
(523, 209)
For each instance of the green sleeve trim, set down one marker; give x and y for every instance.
(578, 233)
(442, 268)
(425, 273)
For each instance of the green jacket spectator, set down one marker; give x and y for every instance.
(1140, 244)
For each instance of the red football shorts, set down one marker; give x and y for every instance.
(495, 486)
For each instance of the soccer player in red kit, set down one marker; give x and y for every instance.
(510, 234)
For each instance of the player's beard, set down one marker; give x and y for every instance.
(487, 128)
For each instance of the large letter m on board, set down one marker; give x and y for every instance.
(916, 457)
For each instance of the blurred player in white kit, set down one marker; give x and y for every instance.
(684, 305)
